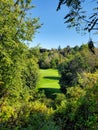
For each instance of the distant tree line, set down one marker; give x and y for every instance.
(51, 58)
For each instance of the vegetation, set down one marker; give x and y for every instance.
(74, 67)
(50, 58)
(78, 111)
(77, 14)
(23, 72)
(53, 57)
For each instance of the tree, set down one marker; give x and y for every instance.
(82, 61)
(15, 24)
(15, 27)
(77, 16)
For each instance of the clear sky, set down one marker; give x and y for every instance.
(54, 32)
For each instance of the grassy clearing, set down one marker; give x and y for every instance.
(49, 81)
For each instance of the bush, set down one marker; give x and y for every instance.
(79, 110)
(31, 115)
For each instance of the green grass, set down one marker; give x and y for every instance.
(49, 79)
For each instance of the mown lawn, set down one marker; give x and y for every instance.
(49, 79)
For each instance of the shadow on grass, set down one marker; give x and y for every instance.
(50, 92)
(51, 77)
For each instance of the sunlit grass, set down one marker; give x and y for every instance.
(49, 78)
(49, 82)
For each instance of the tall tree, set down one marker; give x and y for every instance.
(16, 26)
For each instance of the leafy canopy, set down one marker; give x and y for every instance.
(15, 23)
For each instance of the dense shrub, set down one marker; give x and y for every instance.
(79, 110)
(31, 115)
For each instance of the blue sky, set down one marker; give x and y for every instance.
(54, 32)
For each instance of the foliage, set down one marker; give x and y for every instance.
(31, 71)
(15, 28)
(79, 110)
(50, 58)
(30, 115)
(22, 105)
(78, 14)
(69, 70)
(44, 61)
(87, 109)
(18, 66)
